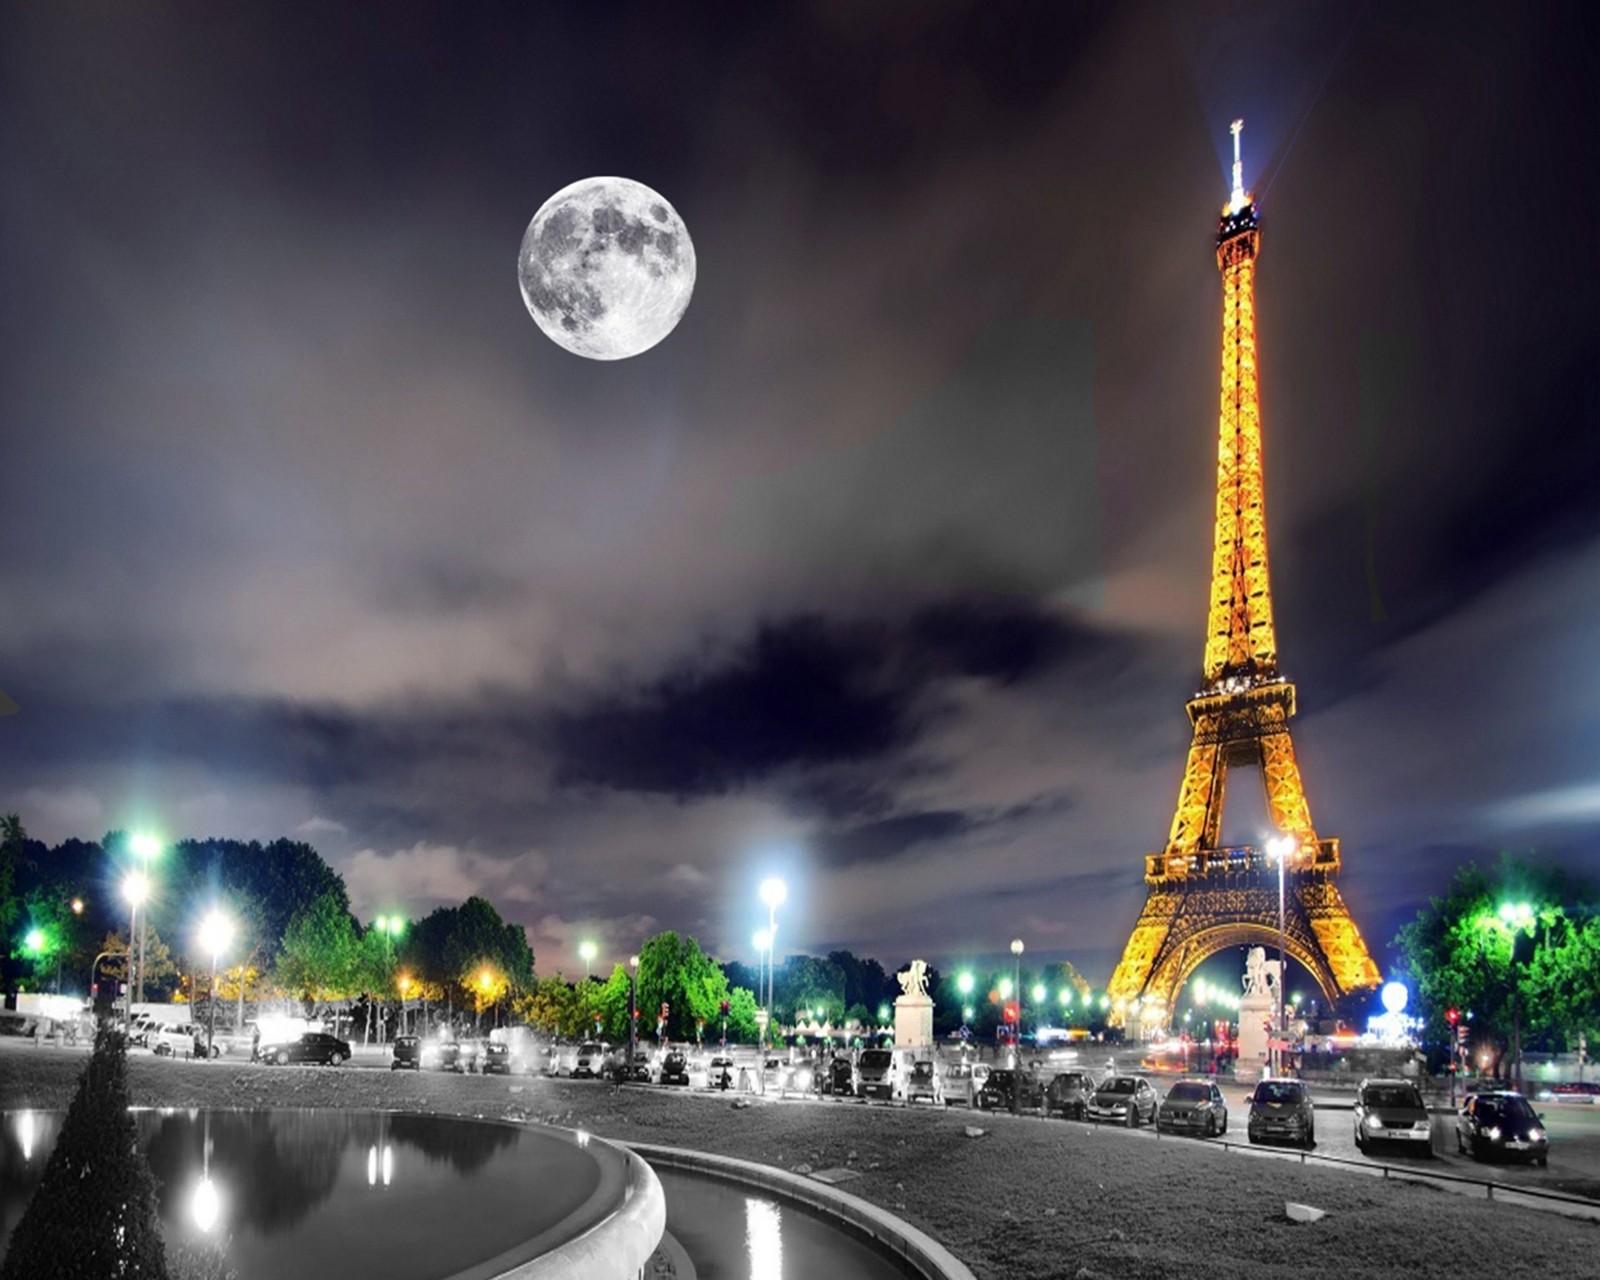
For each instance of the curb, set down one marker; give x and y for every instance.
(907, 1243)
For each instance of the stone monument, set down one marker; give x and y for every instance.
(1257, 1009)
(913, 1009)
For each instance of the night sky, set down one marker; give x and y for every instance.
(887, 570)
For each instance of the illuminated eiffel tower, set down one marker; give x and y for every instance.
(1202, 897)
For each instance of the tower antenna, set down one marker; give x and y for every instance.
(1238, 202)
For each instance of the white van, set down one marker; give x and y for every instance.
(880, 1073)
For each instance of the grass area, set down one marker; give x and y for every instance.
(1032, 1198)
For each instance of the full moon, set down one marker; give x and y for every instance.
(606, 268)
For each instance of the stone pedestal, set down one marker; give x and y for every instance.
(913, 1022)
(1256, 1010)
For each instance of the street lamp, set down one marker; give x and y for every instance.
(145, 847)
(633, 1007)
(485, 981)
(405, 987)
(763, 943)
(1278, 849)
(587, 951)
(135, 888)
(216, 931)
(1511, 919)
(774, 893)
(1016, 1031)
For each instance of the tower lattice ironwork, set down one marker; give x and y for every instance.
(1203, 897)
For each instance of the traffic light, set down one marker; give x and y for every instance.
(1452, 1015)
(724, 1008)
(1010, 1012)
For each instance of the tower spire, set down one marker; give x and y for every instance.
(1239, 199)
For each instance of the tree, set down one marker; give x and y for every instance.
(1503, 949)
(674, 971)
(318, 959)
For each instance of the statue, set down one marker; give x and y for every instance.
(1261, 975)
(914, 981)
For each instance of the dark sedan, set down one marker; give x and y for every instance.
(840, 1077)
(1129, 1100)
(997, 1089)
(1193, 1106)
(675, 1067)
(1502, 1125)
(496, 1059)
(441, 1055)
(313, 1046)
(407, 1053)
(1282, 1109)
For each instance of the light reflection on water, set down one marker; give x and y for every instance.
(780, 1241)
(411, 1196)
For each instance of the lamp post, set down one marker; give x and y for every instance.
(1513, 918)
(1278, 849)
(633, 1006)
(774, 893)
(1016, 1032)
(216, 931)
(587, 950)
(145, 847)
(762, 942)
(405, 987)
(135, 887)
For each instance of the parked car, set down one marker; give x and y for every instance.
(1282, 1109)
(1392, 1111)
(472, 1052)
(1129, 1100)
(312, 1046)
(407, 1053)
(840, 1077)
(496, 1058)
(963, 1080)
(720, 1073)
(623, 1070)
(1503, 1125)
(878, 1074)
(178, 1040)
(590, 1062)
(1068, 1094)
(675, 1067)
(1571, 1090)
(923, 1083)
(1193, 1106)
(995, 1095)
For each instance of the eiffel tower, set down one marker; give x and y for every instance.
(1203, 897)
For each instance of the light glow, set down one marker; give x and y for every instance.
(774, 892)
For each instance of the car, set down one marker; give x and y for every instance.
(1193, 1106)
(675, 1067)
(312, 1046)
(1571, 1090)
(963, 1080)
(441, 1054)
(878, 1074)
(179, 1040)
(472, 1053)
(623, 1070)
(1129, 1100)
(995, 1095)
(590, 1062)
(1068, 1094)
(1502, 1124)
(496, 1058)
(923, 1082)
(720, 1073)
(1282, 1109)
(840, 1077)
(1392, 1111)
(407, 1053)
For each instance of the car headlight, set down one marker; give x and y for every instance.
(1536, 1135)
(1372, 1122)
(1424, 1126)
(1493, 1134)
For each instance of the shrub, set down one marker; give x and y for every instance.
(94, 1214)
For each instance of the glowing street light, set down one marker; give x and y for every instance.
(763, 945)
(774, 893)
(1066, 997)
(964, 982)
(587, 952)
(633, 1006)
(1039, 993)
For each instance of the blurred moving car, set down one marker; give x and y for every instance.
(441, 1054)
(1129, 1100)
(590, 1061)
(1571, 1091)
(1501, 1124)
(720, 1072)
(675, 1067)
(407, 1053)
(313, 1046)
(995, 1095)
(1282, 1109)
(923, 1083)
(878, 1074)
(1068, 1094)
(1193, 1106)
(1392, 1111)
(472, 1053)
